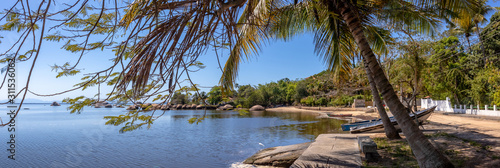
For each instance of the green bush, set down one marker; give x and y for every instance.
(321, 101)
(342, 100)
(309, 101)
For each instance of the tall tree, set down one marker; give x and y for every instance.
(352, 14)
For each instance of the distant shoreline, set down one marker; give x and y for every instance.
(360, 113)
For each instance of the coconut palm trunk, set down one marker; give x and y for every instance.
(390, 130)
(427, 155)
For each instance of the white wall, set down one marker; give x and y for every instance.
(445, 105)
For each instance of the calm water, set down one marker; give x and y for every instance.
(51, 137)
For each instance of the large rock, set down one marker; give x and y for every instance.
(99, 104)
(257, 108)
(108, 106)
(155, 106)
(193, 106)
(200, 106)
(280, 156)
(179, 106)
(164, 107)
(132, 107)
(55, 104)
(225, 107)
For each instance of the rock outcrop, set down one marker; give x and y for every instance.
(280, 156)
(257, 108)
(55, 104)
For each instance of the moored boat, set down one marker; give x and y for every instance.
(377, 125)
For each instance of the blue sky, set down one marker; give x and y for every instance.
(294, 60)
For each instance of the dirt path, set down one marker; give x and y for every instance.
(488, 127)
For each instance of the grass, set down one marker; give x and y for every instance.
(397, 153)
(400, 152)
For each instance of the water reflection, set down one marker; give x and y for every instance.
(306, 124)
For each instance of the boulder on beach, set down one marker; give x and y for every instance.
(55, 104)
(164, 107)
(200, 106)
(280, 156)
(193, 106)
(257, 108)
(155, 107)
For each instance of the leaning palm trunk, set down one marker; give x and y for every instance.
(426, 154)
(390, 130)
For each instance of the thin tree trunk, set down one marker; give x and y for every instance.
(482, 45)
(427, 155)
(417, 78)
(468, 42)
(390, 130)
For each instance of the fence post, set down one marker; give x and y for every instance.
(495, 107)
(471, 108)
(485, 107)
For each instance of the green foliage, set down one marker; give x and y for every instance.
(179, 98)
(309, 101)
(321, 101)
(215, 96)
(446, 76)
(77, 104)
(342, 100)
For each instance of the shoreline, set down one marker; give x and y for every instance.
(357, 113)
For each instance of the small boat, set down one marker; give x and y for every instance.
(377, 125)
(339, 115)
(347, 127)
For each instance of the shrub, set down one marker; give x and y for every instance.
(309, 101)
(321, 101)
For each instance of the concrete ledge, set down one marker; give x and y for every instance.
(331, 150)
(368, 148)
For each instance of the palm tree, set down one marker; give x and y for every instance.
(333, 42)
(468, 23)
(351, 13)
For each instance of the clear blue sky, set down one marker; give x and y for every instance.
(293, 59)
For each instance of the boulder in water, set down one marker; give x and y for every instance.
(132, 107)
(99, 104)
(55, 104)
(108, 106)
(257, 108)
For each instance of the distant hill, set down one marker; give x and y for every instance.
(30, 100)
